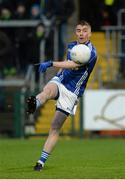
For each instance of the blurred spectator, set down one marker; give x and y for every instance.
(63, 11)
(21, 12)
(35, 11)
(5, 14)
(56, 12)
(7, 4)
(98, 13)
(48, 8)
(91, 10)
(49, 12)
(110, 9)
(47, 16)
(105, 18)
(21, 37)
(35, 38)
(7, 63)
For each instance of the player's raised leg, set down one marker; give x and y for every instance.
(50, 91)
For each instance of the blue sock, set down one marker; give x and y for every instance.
(38, 103)
(44, 157)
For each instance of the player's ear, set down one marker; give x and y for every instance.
(90, 33)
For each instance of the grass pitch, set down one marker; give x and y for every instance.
(72, 158)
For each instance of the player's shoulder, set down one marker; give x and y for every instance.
(71, 44)
(91, 46)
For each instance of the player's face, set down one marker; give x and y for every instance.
(83, 33)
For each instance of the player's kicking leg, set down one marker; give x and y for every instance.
(50, 91)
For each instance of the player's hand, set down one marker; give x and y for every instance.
(43, 66)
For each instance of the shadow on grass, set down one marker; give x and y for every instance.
(24, 169)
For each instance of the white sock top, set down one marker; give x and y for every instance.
(38, 103)
(39, 161)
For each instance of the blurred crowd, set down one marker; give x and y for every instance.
(19, 47)
(101, 12)
(105, 13)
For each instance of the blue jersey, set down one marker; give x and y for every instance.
(75, 80)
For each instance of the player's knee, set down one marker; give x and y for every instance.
(50, 90)
(55, 126)
(54, 131)
(47, 92)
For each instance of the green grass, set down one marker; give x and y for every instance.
(73, 158)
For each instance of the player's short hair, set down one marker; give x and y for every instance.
(84, 23)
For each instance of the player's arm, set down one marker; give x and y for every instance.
(61, 69)
(63, 65)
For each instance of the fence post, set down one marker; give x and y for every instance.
(18, 132)
(81, 116)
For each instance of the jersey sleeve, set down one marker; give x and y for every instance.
(93, 56)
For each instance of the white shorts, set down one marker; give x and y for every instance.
(67, 100)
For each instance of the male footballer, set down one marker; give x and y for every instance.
(66, 88)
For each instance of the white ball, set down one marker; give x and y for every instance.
(80, 53)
